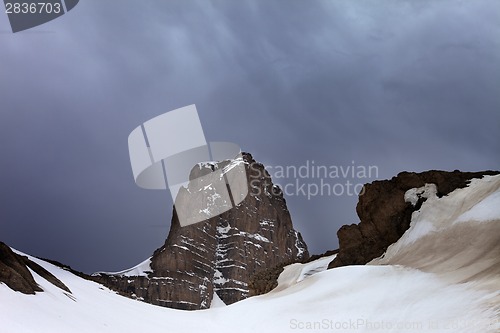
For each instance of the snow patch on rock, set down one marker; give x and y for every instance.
(142, 269)
(427, 191)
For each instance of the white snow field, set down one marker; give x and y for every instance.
(443, 277)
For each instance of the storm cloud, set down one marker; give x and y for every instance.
(400, 85)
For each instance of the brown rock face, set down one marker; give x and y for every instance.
(218, 255)
(15, 274)
(385, 216)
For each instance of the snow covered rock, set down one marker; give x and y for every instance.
(218, 255)
(456, 237)
(385, 210)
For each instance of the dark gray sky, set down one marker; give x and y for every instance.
(402, 85)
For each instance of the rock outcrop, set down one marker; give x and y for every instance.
(220, 254)
(385, 216)
(15, 274)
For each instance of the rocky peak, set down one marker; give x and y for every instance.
(220, 254)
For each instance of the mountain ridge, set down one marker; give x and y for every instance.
(395, 293)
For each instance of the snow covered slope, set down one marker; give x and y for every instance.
(457, 237)
(423, 296)
(347, 299)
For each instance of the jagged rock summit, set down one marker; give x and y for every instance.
(220, 254)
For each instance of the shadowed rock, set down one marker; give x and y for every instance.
(15, 274)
